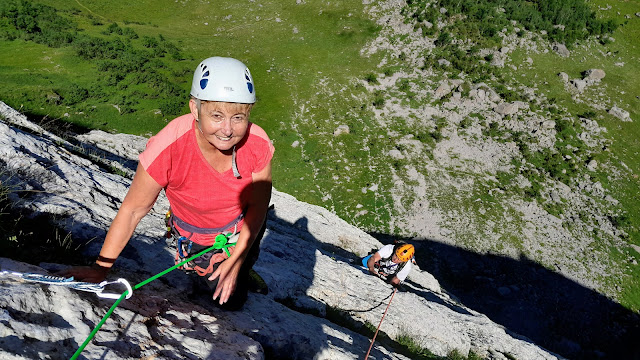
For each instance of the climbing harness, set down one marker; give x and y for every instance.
(172, 220)
(98, 289)
(387, 269)
(184, 245)
(383, 315)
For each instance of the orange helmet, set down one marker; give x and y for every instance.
(405, 252)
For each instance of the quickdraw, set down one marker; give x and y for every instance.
(98, 289)
(55, 280)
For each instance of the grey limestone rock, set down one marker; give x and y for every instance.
(561, 50)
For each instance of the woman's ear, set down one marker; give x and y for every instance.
(194, 109)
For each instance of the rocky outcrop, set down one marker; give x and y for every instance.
(620, 113)
(506, 108)
(309, 259)
(594, 75)
(561, 49)
(446, 86)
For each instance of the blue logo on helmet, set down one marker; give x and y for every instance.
(204, 81)
(249, 82)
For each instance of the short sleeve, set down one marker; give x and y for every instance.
(156, 160)
(262, 149)
(402, 274)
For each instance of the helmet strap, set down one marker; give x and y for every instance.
(234, 164)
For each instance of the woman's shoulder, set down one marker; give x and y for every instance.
(258, 140)
(181, 124)
(175, 129)
(256, 130)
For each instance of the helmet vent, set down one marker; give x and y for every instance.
(204, 81)
(249, 82)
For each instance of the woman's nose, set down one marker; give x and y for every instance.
(226, 127)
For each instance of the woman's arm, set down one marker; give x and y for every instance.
(140, 198)
(254, 219)
(372, 262)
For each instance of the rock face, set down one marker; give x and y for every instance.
(309, 259)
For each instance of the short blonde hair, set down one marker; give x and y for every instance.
(227, 106)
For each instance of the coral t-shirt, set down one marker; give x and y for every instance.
(197, 193)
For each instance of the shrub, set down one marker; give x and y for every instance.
(378, 101)
(466, 122)
(371, 78)
(76, 94)
(443, 39)
(171, 106)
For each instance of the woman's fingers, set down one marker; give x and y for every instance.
(227, 275)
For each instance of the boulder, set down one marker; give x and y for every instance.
(444, 62)
(506, 108)
(579, 84)
(594, 75)
(620, 113)
(563, 76)
(561, 49)
(341, 129)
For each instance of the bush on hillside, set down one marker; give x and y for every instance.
(34, 22)
(122, 59)
(565, 21)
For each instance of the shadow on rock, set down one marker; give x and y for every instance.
(553, 311)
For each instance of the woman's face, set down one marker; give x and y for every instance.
(222, 125)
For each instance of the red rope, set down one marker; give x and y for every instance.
(376, 334)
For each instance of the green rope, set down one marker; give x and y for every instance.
(221, 243)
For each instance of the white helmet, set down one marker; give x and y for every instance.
(223, 79)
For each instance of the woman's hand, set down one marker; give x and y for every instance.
(227, 275)
(93, 274)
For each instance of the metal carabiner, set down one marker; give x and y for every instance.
(115, 296)
(180, 240)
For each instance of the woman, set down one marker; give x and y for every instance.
(215, 167)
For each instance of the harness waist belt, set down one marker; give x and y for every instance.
(207, 231)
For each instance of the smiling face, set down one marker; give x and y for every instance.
(221, 124)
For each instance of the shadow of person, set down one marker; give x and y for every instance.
(553, 311)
